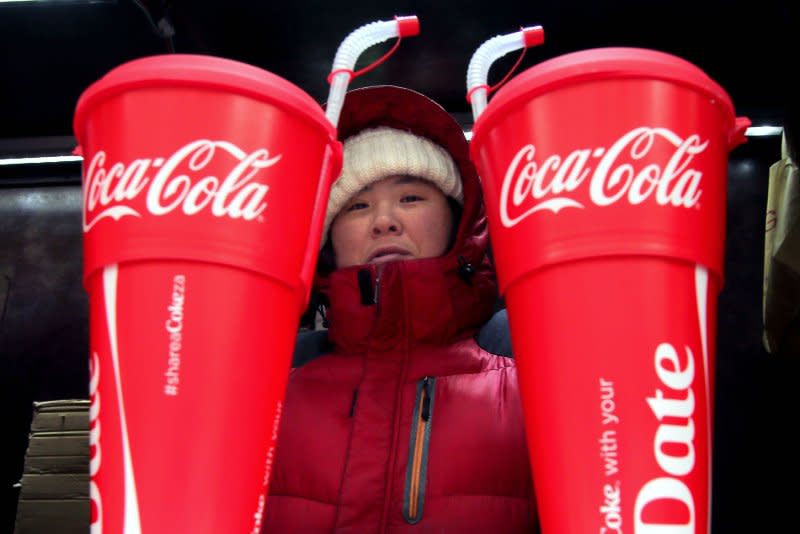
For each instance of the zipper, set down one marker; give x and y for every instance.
(369, 290)
(417, 469)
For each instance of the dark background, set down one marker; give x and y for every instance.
(50, 51)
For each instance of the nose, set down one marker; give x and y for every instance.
(385, 222)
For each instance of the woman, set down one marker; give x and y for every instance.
(404, 415)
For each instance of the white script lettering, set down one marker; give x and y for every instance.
(109, 190)
(530, 186)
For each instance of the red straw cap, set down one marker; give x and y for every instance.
(407, 26)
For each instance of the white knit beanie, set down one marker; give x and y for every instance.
(375, 154)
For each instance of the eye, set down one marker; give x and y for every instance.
(356, 206)
(411, 198)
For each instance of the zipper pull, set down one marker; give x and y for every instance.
(365, 287)
(425, 413)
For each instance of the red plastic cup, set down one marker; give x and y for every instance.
(205, 185)
(604, 173)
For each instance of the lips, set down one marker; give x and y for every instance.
(385, 254)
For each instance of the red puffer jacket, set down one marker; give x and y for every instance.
(406, 424)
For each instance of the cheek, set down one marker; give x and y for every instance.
(433, 231)
(346, 238)
(443, 236)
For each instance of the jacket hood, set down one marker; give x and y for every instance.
(463, 274)
(405, 109)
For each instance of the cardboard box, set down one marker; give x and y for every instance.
(47, 486)
(54, 490)
(57, 464)
(59, 416)
(70, 443)
(52, 516)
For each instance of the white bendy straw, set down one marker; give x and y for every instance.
(488, 53)
(350, 50)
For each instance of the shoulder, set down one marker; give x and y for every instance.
(495, 336)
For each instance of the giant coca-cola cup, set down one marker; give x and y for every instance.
(205, 183)
(604, 174)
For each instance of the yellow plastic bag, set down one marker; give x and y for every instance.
(781, 297)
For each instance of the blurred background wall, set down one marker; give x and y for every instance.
(52, 50)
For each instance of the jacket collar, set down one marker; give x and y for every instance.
(391, 306)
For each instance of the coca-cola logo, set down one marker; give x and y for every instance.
(177, 183)
(534, 184)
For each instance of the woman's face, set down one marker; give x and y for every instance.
(397, 218)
